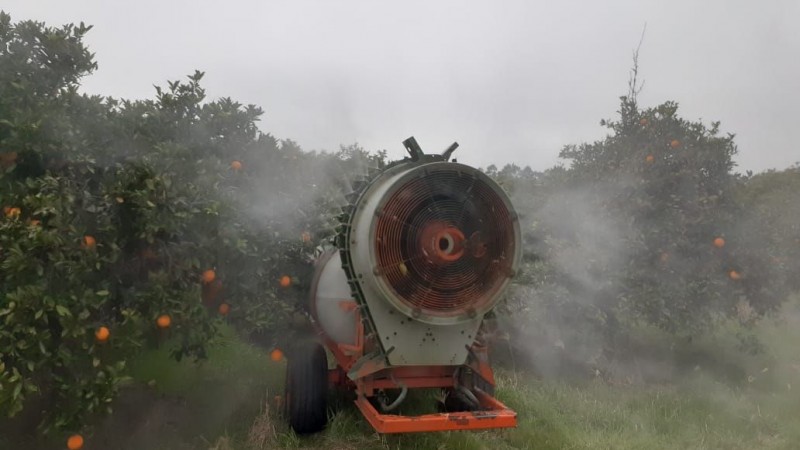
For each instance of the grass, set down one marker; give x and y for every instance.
(219, 396)
(700, 413)
(717, 397)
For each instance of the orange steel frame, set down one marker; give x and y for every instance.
(494, 414)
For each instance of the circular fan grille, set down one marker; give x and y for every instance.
(445, 242)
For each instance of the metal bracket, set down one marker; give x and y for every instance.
(413, 148)
(367, 365)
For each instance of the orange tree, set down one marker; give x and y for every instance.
(117, 213)
(666, 184)
(629, 232)
(768, 231)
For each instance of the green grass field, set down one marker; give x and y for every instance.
(724, 398)
(721, 399)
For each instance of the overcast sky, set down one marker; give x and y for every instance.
(510, 81)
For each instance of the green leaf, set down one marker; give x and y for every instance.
(63, 311)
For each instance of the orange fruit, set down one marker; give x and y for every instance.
(7, 159)
(643, 122)
(285, 281)
(102, 334)
(719, 242)
(276, 355)
(224, 309)
(35, 222)
(163, 321)
(209, 276)
(734, 275)
(75, 442)
(149, 254)
(650, 159)
(675, 143)
(236, 165)
(12, 212)
(89, 241)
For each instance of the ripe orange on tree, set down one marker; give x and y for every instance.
(734, 275)
(149, 254)
(209, 276)
(88, 241)
(7, 159)
(11, 212)
(224, 309)
(276, 355)
(675, 143)
(236, 165)
(102, 334)
(75, 442)
(719, 242)
(285, 281)
(650, 159)
(163, 321)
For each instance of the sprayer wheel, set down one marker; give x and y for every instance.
(307, 388)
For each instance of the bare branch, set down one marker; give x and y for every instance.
(634, 88)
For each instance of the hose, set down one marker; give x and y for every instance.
(468, 394)
(398, 400)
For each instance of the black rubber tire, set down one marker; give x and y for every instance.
(307, 388)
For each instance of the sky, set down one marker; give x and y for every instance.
(511, 81)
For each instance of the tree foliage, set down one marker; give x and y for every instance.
(650, 224)
(113, 210)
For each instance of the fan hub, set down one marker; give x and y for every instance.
(441, 243)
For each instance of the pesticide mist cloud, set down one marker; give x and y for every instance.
(511, 81)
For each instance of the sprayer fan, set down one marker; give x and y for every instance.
(445, 242)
